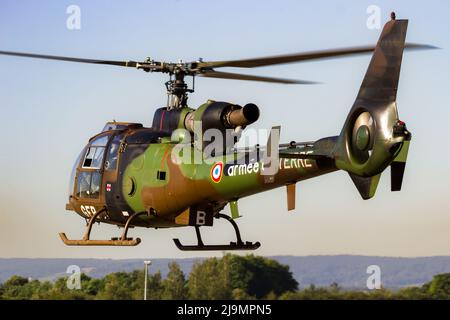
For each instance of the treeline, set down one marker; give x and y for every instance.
(230, 277)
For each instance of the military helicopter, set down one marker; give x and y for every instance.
(133, 176)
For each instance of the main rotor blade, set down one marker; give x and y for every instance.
(302, 56)
(238, 76)
(132, 64)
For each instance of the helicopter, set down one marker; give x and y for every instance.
(134, 176)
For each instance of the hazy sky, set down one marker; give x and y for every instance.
(50, 109)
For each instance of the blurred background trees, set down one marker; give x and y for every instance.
(229, 277)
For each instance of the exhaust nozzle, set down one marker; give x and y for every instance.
(244, 116)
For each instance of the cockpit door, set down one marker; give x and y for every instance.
(89, 191)
(117, 207)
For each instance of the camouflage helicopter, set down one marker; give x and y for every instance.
(133, 176)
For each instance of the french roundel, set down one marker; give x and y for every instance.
(216, 172)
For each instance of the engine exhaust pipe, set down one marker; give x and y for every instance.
(244, 116)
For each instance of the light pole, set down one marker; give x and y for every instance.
(146, 264)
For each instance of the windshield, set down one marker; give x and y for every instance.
(88, 165)
(74, 172)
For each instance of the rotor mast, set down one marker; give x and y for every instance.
(177, 88)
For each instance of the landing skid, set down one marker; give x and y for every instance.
(86, 241)
(232, 246)
(238, 245)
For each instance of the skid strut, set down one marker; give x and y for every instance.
(238, 245)
(86, 241)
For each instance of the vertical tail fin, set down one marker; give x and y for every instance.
(381, 79)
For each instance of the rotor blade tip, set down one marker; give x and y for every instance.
(309, 82)
(419, 46)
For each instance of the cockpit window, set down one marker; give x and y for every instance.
(74, 172)
(95, 152)
(84, 184)
(94, 157)
(112, 155)
(88, 184)
(100, 142)
(120, 126)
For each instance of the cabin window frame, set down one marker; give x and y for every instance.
(95, 191)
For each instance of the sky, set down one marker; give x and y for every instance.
(50, 109)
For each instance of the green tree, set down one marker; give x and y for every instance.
(16, 281)
(240, 294)
(174, 284)
(208, 280)
(439, 287)
(41, 292)
(155, 286)
(93, 286)
(16, 288)
(117, 286)
(256, 276)
(259, 276)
